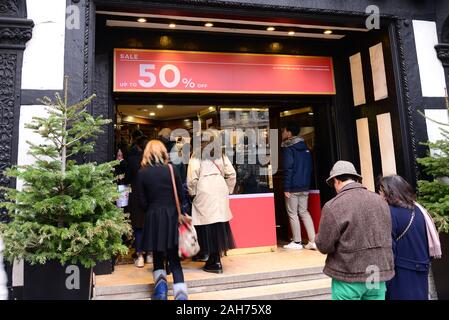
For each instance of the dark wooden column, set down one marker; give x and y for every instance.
(15, 31)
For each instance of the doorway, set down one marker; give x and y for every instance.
(316, 128)
(255, 175)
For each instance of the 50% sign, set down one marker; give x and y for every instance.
(148, 78)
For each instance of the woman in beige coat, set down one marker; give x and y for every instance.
(211, 178)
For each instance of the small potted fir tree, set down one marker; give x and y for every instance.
(434, 196)
(64, 219)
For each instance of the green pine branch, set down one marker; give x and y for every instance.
(66, 210)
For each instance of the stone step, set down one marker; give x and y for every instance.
(326, 296)
(294, 290)
(216, 283)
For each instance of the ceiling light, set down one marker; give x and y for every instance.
(211, 108)
(142, 20)
(145, 110)
(209, 25)
(152, 114)
(160, 106)
(172, 25)
(290, 33)
(328, 32)
(186, 120)
(310, 113)
(270, 29)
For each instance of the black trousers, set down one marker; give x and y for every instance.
(173, 261)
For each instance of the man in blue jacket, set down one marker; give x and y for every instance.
(298, 172)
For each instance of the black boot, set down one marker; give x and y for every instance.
(213, 264)
(201, 257)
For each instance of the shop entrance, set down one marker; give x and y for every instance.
(260, 175)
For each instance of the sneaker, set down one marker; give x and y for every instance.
(310, 246)
(149, 258)
(293, 245)
(139, 262)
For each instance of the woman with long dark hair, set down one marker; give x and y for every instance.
(210, 179)
(410, 241)
(156, 195)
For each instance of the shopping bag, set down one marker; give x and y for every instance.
(188, 239)
(123, 199)
(188, 245)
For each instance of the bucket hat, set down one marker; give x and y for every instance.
(340, 168)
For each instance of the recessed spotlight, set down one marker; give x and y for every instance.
(310, 113)
(290, 33)
(328, 32)
(271, 29)
(145, 110)
(172, 25)
(142, 20)
(208, 24)
(160, 106)
(152, 114)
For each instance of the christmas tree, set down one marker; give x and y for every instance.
(65, 210)
(434, 195)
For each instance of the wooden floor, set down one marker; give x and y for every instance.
(237, 265)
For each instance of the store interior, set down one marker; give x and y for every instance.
(256, 173)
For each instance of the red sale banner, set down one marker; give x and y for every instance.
(138, 70)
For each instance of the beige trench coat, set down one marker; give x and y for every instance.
(211, 187)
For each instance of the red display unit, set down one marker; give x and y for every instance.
(254, 223)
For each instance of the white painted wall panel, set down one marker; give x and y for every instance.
(433, 129)
(431, 70)
(43, 60)
(26, 115)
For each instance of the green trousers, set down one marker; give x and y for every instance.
(358, 290)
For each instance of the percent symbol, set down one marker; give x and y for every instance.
(188, 83)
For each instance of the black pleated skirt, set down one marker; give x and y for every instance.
(161, 229)
(215, 238)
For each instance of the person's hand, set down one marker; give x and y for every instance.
(287, 194)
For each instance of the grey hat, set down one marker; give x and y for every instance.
(340, 168)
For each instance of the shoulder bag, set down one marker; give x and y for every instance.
(408, 226)
(188, 241)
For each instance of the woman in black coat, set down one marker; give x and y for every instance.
(410, 243)
(156, 196)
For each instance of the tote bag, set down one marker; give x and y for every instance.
(188, 240)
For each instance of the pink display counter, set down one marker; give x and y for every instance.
(253, 224)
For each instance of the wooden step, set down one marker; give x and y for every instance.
(143, 291)
(251, 271)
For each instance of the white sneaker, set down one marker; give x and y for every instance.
(139, 263)
(293, 245)
(311, 246)
(149, 258)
